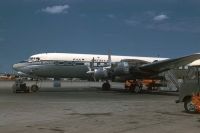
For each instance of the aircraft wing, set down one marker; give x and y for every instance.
(168, 64)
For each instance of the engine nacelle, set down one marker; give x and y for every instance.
(122, 68)
(128, 66)
(100, 73)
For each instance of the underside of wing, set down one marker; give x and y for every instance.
(164, 65)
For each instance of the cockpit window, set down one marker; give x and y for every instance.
(33, 59)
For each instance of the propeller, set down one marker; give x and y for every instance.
(101, 71)
(92, 69)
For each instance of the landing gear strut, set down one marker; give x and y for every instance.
(106, 85)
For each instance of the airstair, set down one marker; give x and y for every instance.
(172, 83)
(174, 78)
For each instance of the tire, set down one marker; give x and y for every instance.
(137, 89)
(189, 106)
(106, 86)
(34, 88)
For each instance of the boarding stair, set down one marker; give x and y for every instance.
(172, 82)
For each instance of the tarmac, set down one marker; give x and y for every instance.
(81, 107)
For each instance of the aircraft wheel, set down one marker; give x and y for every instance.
(34, 88)
(106, 86)
(189, 106)
(137, 89)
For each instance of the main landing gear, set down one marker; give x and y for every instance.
(21, 86)
(106, 86)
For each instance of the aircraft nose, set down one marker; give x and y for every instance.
(16, 66)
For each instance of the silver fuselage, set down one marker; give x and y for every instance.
(68, 65)
(54, 69)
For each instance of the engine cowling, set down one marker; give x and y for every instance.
(100, 73)
(128, 66)
(121, 68)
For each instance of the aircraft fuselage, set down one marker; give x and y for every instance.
(66, 65)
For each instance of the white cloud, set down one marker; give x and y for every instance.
(152, 21)
(160, 17)
(58, 9)
(180, 25)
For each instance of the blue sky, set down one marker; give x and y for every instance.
(169, 28)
